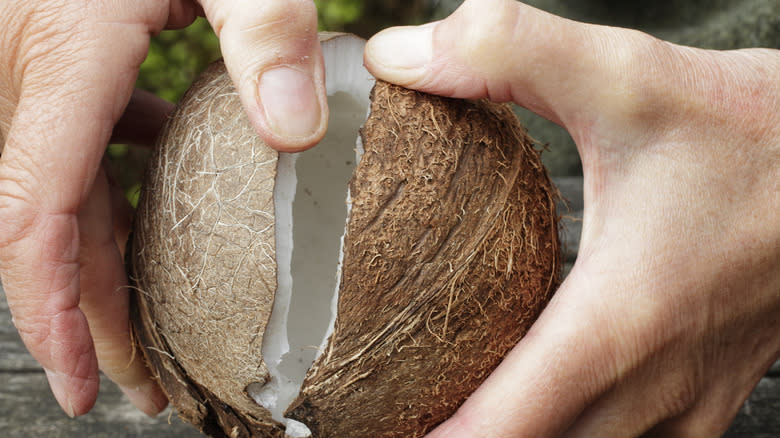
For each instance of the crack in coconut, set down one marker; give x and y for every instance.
(312, 205)
(450, 254)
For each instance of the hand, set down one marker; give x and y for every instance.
(67, 70)
(670, 315)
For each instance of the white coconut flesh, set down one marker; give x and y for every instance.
(312, 205)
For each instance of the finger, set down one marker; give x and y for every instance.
(506, 51)
(714, 410)
(273, 55)
(658, 400)
(105, 302)
(58, 134)
(539, 388)
(567, 361)
(181, 13)
(694, 425)
(646, 397)
(142, 120)
(121, 210)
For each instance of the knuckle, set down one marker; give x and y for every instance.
(680, 397)
(278, 23)
(59, 339)
(266, 34)
(41, 34)
(33, 239)
(39, 328)
(34, 332)
(18, 209)
(474, 36)
(484, 31)
(291, 9)
(628, 85)
(268, 19)
(635, 68)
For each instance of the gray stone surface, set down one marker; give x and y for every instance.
(27, 409)
(760, 415)
(775, 370)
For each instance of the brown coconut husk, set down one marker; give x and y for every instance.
(451, 253)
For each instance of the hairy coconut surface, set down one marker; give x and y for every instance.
(450, 253)
(203, 260)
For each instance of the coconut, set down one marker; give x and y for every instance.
(363, 288)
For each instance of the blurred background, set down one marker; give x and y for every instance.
(175, 57)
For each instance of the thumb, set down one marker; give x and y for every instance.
(502, 50)
(273, 55)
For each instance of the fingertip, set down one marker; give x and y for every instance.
(148, 398)
(75, 395)
(272, 52)
(290, 108)
(401, 55)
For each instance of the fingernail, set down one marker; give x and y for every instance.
(147, 398)
(57, 385)
(290, 101)
(403, 48)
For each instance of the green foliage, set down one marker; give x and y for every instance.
(334, 15)
(176, 57)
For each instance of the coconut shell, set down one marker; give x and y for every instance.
(451, 253)
(203, 260)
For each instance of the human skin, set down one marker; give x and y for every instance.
(67, 69)
(670, 315)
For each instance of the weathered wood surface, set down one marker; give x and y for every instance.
(27, 408)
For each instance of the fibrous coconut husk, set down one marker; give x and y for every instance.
(451, 252)
(203, 260)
